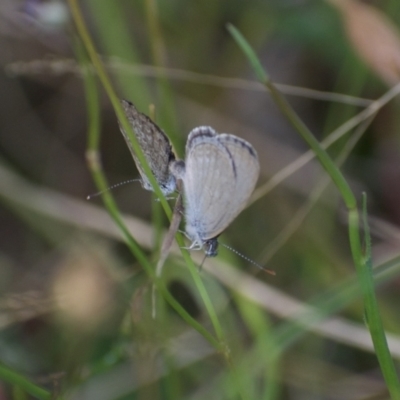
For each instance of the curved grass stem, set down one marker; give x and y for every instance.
(220, 343)
(362, 263)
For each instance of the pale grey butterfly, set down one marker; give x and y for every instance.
(156, 148)
(219, 175)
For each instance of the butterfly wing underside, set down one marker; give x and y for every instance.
(220, 175)
(155, 145)
(246, 173)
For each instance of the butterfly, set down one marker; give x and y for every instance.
(155, 146)
(219, 175)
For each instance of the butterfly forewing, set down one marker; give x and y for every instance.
(155, 145)
(220, 175)
(208, 167)
(246, 173)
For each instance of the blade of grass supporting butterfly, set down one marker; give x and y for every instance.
(92, 154)
(366, 283)
(220, 343)
(93, 141)
(94, 57)
(167, 243)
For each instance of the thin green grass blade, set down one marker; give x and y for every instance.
(95, 59)
(373, 316)
(365, 279)
(109, 17)
(295, 121)
(14, 378)
(159, 57)
(331, 302)
(259, 327)
(93, 142)
(288, 333)
(250, 54)
(93, 158)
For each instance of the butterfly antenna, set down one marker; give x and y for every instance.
(268, 271)
(91, 196)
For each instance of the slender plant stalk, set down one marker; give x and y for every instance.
(114, 33)
(297, 219)
(95, 59)
(365, 279)
(259, 326)
(93, 142)
(94, 163)
(14, 378)
(159, 57)
(373, 319)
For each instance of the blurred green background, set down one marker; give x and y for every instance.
(75, 305)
